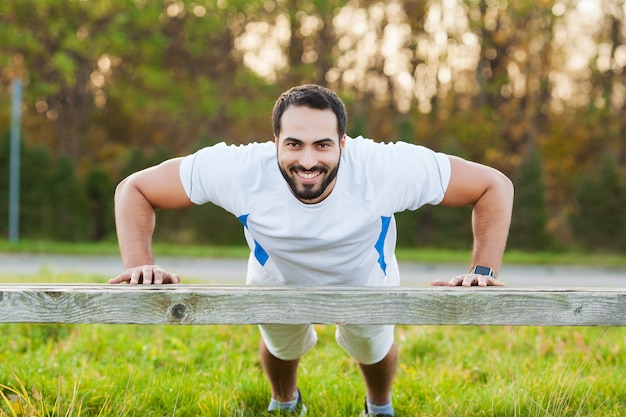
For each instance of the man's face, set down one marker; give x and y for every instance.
(308, 150)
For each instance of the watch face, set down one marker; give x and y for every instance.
(483, 270)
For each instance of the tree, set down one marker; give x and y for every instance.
(100, 190)
(37, 212)
(69, 202)
(492, 81)
(599, 220)
(530, 217)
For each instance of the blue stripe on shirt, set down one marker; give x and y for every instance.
(259, 252)
(380, 244)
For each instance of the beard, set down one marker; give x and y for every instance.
(308, 192)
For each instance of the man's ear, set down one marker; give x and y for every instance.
(342, 141)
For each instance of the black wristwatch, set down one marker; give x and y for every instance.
(483, 270)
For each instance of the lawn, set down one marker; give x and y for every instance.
(425, 255)
(128, 370)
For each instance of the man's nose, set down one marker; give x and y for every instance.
(308, 159)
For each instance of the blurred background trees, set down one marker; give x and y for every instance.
(534, 88)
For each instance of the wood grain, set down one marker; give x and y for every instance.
(210, 304)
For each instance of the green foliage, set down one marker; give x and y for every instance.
(70, 203)
(435, 226)
(599, 220)
(36, 208)
(104, 79)
(100, 189)
(54, 202)
(529, 222)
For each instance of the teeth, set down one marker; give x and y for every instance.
(308, 175)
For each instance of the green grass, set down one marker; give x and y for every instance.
(425, 255)
(56, 370)
(130, 370)
(110, 248)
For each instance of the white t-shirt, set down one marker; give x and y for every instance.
(349, 238)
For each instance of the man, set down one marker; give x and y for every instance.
(317, 209)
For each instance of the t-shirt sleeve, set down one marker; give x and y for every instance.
(435, 176)
(186, 172)
(408, 176)
(195, 175)
(210, 174)
(430, 175)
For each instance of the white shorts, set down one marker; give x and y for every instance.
(366, 344)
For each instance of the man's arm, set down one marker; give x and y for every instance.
(136, 199)
(491, 194)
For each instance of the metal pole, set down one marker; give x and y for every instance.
(14, 181)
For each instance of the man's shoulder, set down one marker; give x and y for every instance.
(224, 151)
(231, 160)
(363, 146)
(240, 146)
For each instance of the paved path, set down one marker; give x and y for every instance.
(232, 271)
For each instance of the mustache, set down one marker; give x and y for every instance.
(312, 169)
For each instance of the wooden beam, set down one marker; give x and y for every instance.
(210, 304)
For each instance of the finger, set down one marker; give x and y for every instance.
(496, 283)
(456, 281)
(157, 277)
(468, 280)
(482, 281)
(135, 276)
(123, 277)
(147, 275)
(174, 279)
(440, 283)
(163, 277)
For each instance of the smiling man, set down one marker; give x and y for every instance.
(309, 152)
(317, 209)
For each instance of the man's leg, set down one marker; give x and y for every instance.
(282, 375)
(379, 377)
(288, 342)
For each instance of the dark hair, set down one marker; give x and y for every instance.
(313, 96)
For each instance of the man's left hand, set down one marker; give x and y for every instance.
(469, 280)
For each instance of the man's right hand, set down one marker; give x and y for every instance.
(146, 275)
(136, 199)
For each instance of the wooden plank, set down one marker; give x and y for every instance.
(209, 304)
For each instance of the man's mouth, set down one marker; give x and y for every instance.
(308, 175)
(309, 185)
